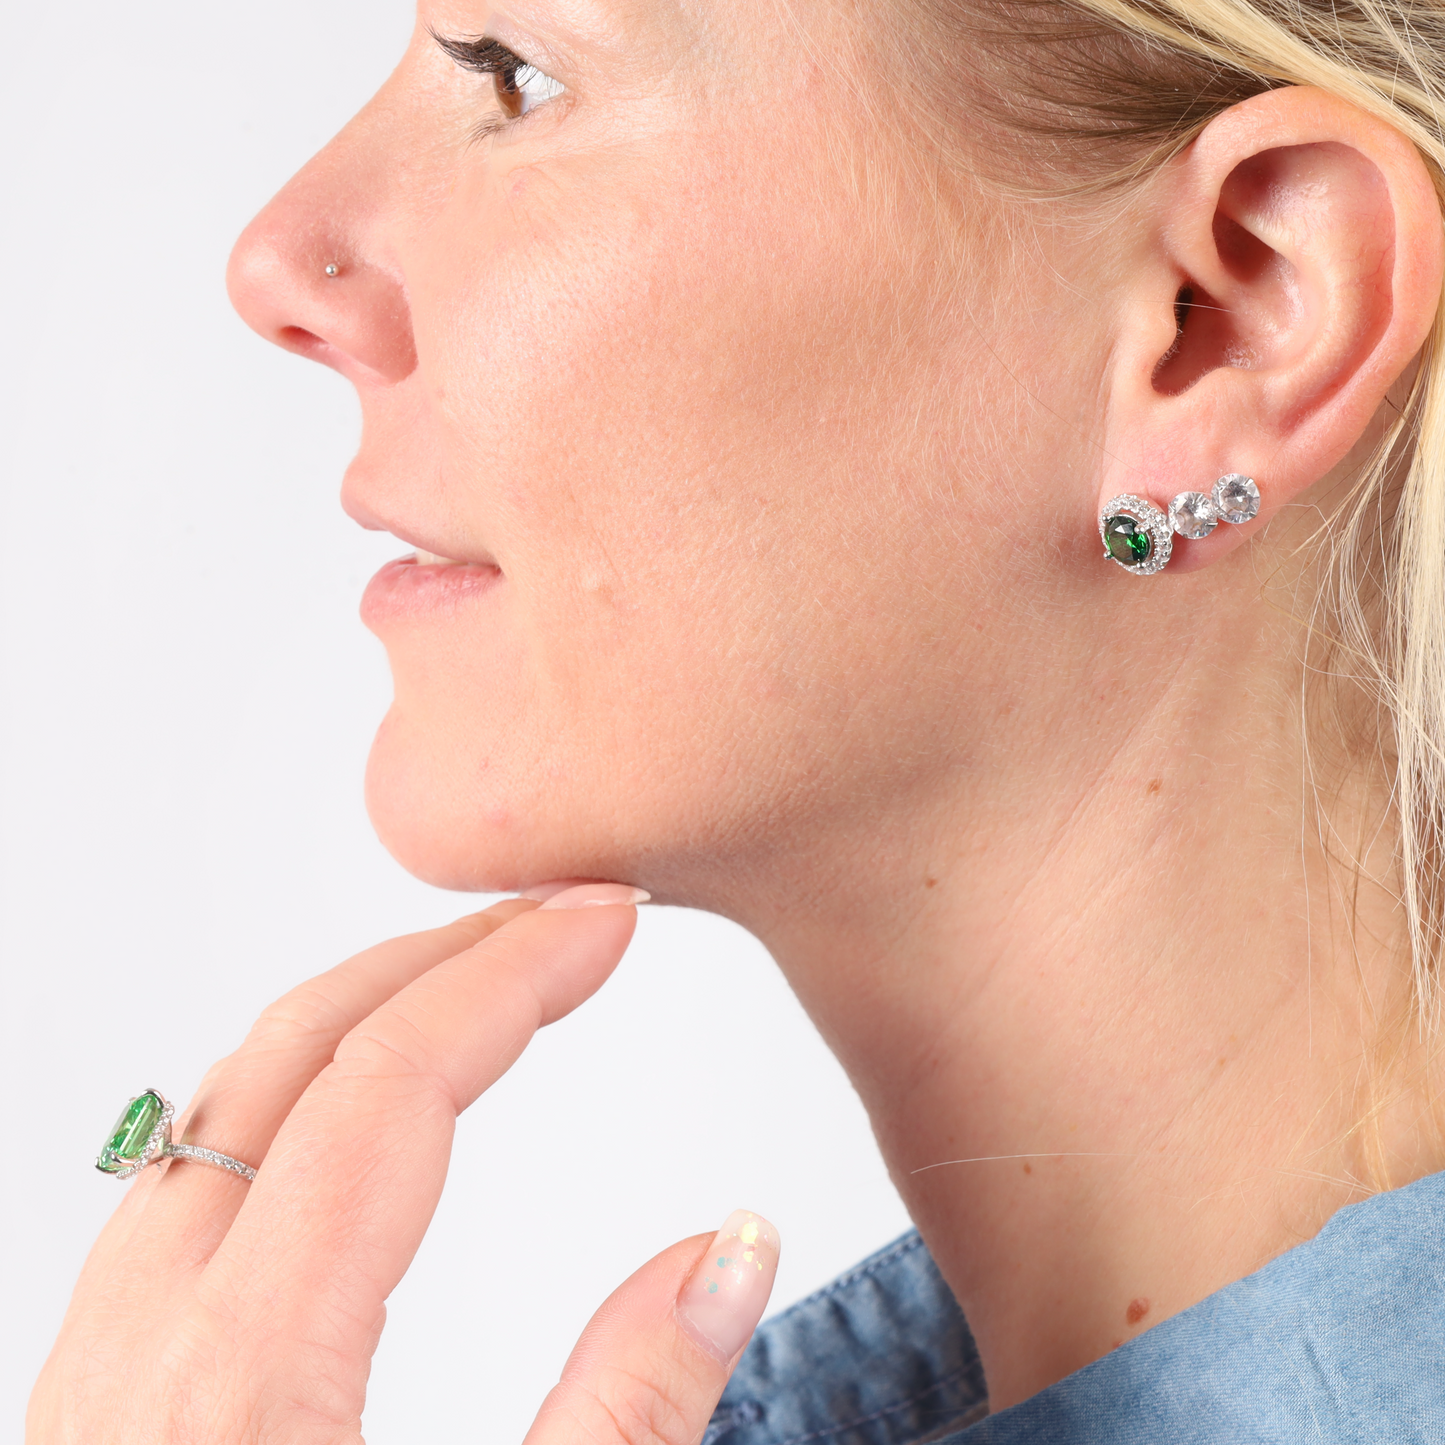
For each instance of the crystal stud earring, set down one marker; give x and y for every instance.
(1140, 538)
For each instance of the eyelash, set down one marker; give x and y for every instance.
(512, 74)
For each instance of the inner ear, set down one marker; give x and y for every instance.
(1205, 337)
(1255, 292)
(1298, 236)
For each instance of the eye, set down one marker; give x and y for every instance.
(528, 87)
(520, 86)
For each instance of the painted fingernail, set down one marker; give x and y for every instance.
(721, 1304)
(595, 895)
(541, 892)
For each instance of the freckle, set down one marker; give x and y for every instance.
(1137, 1310)
(930, 882)
(1028, 1168)
(1221, 1063)
(1155, 784)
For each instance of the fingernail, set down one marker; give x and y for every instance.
(595, 895)
(541, 892)
(721, 1304)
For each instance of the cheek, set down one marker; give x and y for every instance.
(643, 387)
(683, 427)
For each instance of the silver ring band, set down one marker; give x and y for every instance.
(142, 1136)
(208, 1156)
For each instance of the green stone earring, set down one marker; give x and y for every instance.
(1140, 537)
(1136, 535)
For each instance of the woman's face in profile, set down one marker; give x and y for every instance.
(669, 342)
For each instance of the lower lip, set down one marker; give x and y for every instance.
(408, 589)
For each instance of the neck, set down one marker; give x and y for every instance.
(1113, 1018)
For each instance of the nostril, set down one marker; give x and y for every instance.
(357, 323)
(301, 341)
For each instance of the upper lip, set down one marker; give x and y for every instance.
(416, 537)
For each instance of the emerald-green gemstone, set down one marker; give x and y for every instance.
(136, 1124)
(1127, 541)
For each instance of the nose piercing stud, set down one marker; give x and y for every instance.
(332, 269)
(1140, 537)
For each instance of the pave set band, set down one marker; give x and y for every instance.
(142, 1136)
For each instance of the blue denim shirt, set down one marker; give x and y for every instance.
(1340, 1339)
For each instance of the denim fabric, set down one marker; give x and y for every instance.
(878, 1357)
(1341, 1339)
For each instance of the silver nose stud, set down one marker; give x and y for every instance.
(332, 269)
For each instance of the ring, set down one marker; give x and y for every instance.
(142, 1135)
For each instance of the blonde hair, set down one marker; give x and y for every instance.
(1111, 89)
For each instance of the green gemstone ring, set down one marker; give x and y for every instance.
(142, 1135)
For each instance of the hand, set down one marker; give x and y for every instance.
(216, 1312)
(652, 1363)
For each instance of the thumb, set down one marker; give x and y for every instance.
(652, 1363)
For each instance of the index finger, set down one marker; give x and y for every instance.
(350, 1184)
(244, 1098)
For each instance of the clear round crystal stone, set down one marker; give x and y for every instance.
(1193, 515)
(1237, 498)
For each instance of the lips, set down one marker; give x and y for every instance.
(431, 549)
(428, 553)
(425, 586)
(429, 584)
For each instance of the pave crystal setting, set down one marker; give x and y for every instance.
(1136, 535)
(142, 1136)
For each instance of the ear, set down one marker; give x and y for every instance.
(1291, 270)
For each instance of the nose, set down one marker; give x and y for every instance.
(315, 272)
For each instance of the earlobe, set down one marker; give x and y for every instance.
(1294, 271)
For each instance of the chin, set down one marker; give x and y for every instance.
(460, 871)
(466, 827)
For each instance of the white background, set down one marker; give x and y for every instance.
(188, 699)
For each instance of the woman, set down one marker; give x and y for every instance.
(773, 463)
